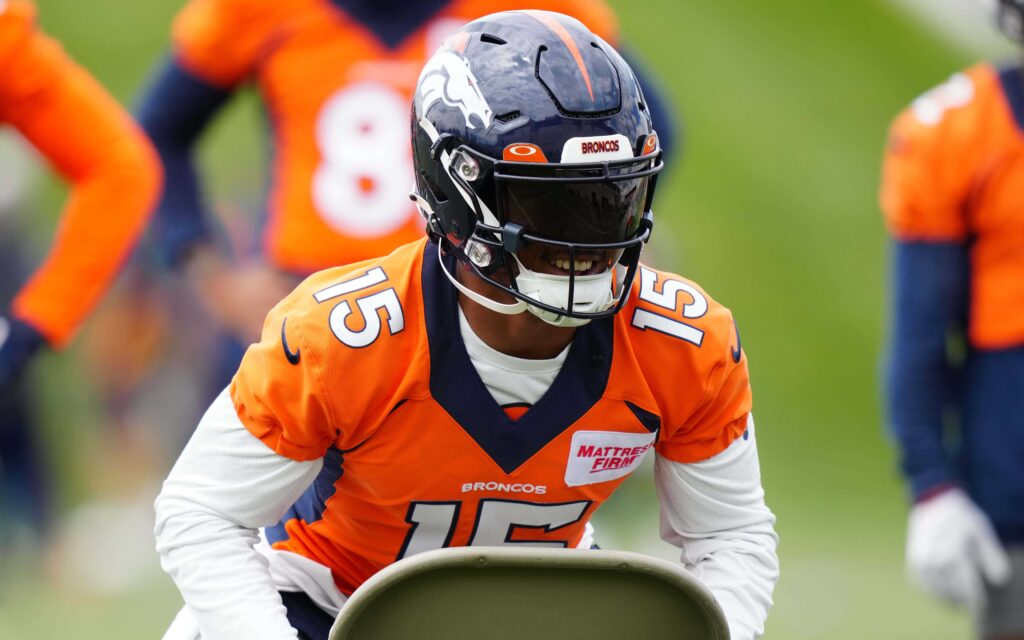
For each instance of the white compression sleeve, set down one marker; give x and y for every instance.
(715, 512)
(224, 486)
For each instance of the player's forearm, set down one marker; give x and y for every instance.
(105, 214)
(181, 221)
(929, 283)
(741, 570)
(174, 113)
(221, 578)
(715, 511)
(224, 486)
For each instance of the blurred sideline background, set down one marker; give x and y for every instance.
(771, 207)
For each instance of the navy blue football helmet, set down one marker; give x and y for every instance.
(531, 133)
(1009, 17)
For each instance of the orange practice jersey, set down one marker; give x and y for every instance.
(365, 365)
(92, 142)
(954, 171)
(338, 103)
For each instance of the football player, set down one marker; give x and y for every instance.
(114, 176)
(490, 385)
(951, 191)
(336, 78)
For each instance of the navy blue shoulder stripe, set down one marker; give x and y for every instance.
(174, 113)
(310, 506)
(1012, 80)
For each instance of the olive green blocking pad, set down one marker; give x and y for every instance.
(503, 593)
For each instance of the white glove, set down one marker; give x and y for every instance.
(952, 550)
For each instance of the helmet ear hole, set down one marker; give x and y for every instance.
(459, 221)
(436, 193)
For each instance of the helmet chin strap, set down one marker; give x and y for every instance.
(515, 308)
(555, 319)
(519, 306)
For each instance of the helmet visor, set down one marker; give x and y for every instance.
(572, 211)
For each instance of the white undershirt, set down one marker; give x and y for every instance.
(511, 380)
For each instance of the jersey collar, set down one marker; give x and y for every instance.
(455, 385)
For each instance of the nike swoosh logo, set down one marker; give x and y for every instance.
(737, 351)
(292, 357)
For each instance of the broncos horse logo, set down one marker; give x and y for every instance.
(447, 77)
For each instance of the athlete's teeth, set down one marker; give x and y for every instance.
(579, 265)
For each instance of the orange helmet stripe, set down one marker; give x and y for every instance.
(563, 33)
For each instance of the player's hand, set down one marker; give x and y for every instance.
(18, 342)
(238, 296)
(952, 550)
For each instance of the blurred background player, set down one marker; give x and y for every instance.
(336, 78)
(493, 384)
(115, 178)
(952, 189)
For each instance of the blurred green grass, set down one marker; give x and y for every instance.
(771, 208)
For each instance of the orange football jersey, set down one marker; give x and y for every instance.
(365, 365)
(93, 143)
(954, 171)
(338, 104)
